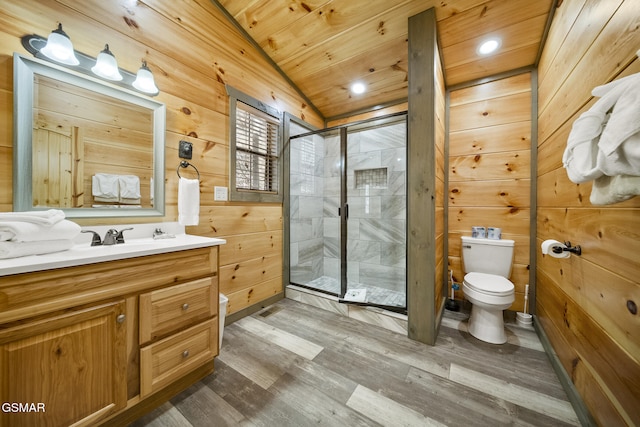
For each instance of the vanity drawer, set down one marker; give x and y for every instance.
(169, 359)
(164, 311)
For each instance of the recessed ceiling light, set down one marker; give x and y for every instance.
(358, 88)
(489, 46)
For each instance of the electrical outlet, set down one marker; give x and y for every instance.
(220, 194)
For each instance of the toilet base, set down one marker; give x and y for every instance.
(487, 325)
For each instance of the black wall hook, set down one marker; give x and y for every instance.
(573, 249)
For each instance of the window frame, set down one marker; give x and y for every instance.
(257, 196)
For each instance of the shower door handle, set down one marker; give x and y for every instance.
(346, 211)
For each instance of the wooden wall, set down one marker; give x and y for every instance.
(490, 169)
(193, 52)
(586, 303)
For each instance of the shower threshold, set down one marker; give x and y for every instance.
(375, 295)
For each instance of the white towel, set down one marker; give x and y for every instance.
(608, 190)
(129, 189)
(18, 231)
(105, 187)
(625, 116)
(605, 139)
(188, 201)
(46, 218)
(18, 249)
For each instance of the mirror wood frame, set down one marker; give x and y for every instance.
(24, 69)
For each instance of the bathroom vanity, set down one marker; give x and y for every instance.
(103, 334)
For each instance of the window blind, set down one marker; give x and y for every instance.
(256, 150)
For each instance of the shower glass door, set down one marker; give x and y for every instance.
(347, 218)
(376, 227)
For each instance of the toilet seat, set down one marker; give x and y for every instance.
(489, 284)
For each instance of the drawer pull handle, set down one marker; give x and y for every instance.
(185, 306)
(185, 354)
(121, 318)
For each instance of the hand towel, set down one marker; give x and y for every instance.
(46, 218)
(608, 190)
(188, 201)
(19, 231)
(105, 187)
(18, 249)
(129, 189)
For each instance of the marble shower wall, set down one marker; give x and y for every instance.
(306, 207)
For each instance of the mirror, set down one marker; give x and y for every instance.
(83, 145)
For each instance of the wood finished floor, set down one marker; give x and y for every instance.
(296, 365)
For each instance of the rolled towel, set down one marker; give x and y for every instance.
(46, 218)
(19, 249)
(18, 231)
(188, 201)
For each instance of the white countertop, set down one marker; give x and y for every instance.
(83, 253)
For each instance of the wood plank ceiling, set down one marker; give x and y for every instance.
(324, 46)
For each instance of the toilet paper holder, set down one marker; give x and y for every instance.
(573, 249)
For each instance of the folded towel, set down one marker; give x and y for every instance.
(608, 190)
(105, 187)
(18, 231)
(46, 218)
(18, 249)
(129, 187)
(188, 201)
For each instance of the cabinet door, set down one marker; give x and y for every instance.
(64, 369)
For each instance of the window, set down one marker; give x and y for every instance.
(255, 169)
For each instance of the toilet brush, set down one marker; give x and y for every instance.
(524, 319)
(451, 303)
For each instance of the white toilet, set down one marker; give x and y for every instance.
(487, 264)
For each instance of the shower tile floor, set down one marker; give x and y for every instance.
(375, 294)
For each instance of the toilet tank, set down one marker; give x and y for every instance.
(487, 256)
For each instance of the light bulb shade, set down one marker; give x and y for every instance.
(144, 80)
(59, 48)
(106, 65)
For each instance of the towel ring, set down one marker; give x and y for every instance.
(185, 164)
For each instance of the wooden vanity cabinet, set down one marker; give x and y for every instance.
(105, 343)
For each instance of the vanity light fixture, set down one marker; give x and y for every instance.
(59, 47)
(106, 65)
(144, 80)
(358, 88)
(489, 46)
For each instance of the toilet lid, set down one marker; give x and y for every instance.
(489, 283)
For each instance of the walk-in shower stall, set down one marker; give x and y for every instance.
(347, 211)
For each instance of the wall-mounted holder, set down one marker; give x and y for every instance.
(573, 249)
(185, 164)
(185, 150)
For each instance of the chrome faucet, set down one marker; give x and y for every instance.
(112, 237)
